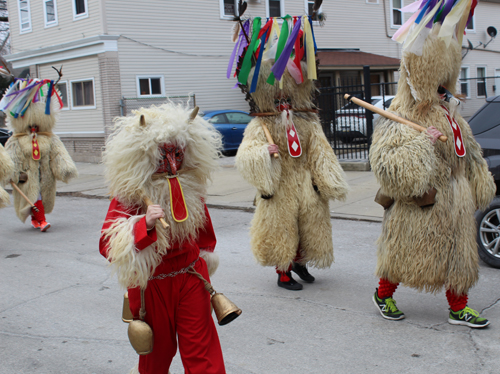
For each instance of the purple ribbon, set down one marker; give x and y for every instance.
(279, 66)
(242, 43)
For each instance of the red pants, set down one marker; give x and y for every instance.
(178, 308)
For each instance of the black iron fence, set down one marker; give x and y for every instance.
(347, 126)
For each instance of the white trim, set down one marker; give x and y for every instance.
(80, 16)
(73, 107)
(391, 7)
(162, 85)
(66, 51)
(306, 11)
(53, 23)
(221, 8)
(68, 98)
(25, 31)
(467, 75)
(485, 67)
(282, 8)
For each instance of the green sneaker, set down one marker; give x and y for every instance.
(387, 307)
(467, 317)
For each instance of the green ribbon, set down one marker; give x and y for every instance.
(247, 61)
(281, 44)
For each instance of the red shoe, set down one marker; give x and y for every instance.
(44, 226)
(34, 223)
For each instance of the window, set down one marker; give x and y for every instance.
(228, 8)
(150, 86)
(24, 16)
(80, 9)
(470, 25)
(50, 13)
(481, 82)
(62, 87)
(274, 8)
(396, 14)
(238, 118)
(82, 94)
(309, 7)
(486, 118)
(464, 82)
(218, 118)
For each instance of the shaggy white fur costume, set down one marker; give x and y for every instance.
(428, 248)
(55, 162)
(131, 158)
(6, 173)
(296, 214)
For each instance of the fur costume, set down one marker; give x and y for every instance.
(6, 172)
(428, 248)
(54, 164)
(298, 212)
(157, 260)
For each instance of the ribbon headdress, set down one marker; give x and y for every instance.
(452, 16)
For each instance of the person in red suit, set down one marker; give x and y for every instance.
(158, 162)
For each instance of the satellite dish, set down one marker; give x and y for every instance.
(492, 32)
(470, 44)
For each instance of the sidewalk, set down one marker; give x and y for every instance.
(230, 191)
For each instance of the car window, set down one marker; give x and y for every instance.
(375, 101)
(387, 104)
(486, 118)
(238, 118)
(218, 118)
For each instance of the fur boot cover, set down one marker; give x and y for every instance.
(131, 158)
(296, 211)
(6, 174)
(428, 248)
(55, 162)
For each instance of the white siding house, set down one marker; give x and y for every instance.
(115, 49)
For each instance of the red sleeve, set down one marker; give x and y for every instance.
(206, 238)
(142, 236)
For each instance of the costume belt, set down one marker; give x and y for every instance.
(174, 273)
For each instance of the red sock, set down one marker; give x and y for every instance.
(283, 276)
(386, 288)
(40, 215)
(456, 302)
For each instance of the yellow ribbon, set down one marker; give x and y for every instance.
(451, 20)
(311, 61)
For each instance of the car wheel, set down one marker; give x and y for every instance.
(488, 233)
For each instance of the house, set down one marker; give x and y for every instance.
(117, 54)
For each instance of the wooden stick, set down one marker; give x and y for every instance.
(269, 137)
(24, 196)
(389, 115)
(148, 202)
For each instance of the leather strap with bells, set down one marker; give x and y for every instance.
(458, 141)
(178, 205)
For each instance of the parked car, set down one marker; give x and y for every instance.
(231, 124)
(351, 122)
(485, 125)
(4, 135)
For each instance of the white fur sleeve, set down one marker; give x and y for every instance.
(254, 161)
(326, 171)
(132, 267)
(61, 164)
(6, 166)
(402, 159)
(212, 260)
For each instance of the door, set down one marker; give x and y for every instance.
(238, 122)
(221, 123)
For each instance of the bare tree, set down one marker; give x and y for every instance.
(4, 29)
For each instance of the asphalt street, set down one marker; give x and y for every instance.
(60, 309)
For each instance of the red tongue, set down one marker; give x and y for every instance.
(177, 202)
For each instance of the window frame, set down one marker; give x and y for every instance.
(68, 98)
(21, 31)
(306, 5)
(56, 21)
(466, 80)
(391, 5)
(77, 17)
(473, 30)
(484, 81)
(138, 86)
(82, 107)
(282, 8)
(222, 14)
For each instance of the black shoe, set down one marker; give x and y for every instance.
(289, 284)
(302, 272)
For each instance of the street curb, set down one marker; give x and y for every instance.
(355, 165)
